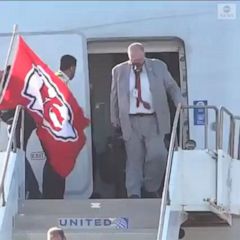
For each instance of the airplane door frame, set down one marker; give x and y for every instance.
(151, 44)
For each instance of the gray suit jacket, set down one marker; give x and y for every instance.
(161, 83)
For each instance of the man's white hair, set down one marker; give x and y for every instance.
(136, 45)
(55, 230)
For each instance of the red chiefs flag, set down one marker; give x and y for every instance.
(59, 119)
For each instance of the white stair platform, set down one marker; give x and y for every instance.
(92, 219)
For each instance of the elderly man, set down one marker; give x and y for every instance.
(140, 108)
(54, 184)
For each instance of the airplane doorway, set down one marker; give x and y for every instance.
(108, 150)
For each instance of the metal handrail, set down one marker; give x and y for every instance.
(223, 111)
(219, 136)
(167, 175)
(206, 107)
(170, 157)
(9, 147)
(235, 151)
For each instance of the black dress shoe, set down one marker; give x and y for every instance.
(181, 234)
(34, 195)
(134, 196)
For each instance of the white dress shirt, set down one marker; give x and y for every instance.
(62, 76)
(145, 93)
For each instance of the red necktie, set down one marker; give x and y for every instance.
(137, 71)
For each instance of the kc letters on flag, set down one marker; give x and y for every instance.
(59, 119)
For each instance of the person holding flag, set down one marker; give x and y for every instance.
(59, 120)
(53, 183)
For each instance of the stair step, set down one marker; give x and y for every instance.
(43, 222)
(204, 219)
(85, 214)
(142, 234)
(90, 207)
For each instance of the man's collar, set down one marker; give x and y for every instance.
(130, 63)
(63, 76)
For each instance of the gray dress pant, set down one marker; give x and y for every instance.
(146, 155)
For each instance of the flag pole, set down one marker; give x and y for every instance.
(15, 28)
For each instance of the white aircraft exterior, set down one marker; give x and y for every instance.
(199, 41)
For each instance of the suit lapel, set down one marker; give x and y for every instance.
(150, 74)
(124, 84)
(124, 78)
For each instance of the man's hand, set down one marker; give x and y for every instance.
(116, 125)
(117, 130)
(167, 139)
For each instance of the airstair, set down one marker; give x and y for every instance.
(200, 190)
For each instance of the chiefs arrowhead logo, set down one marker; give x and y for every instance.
(47, 101)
